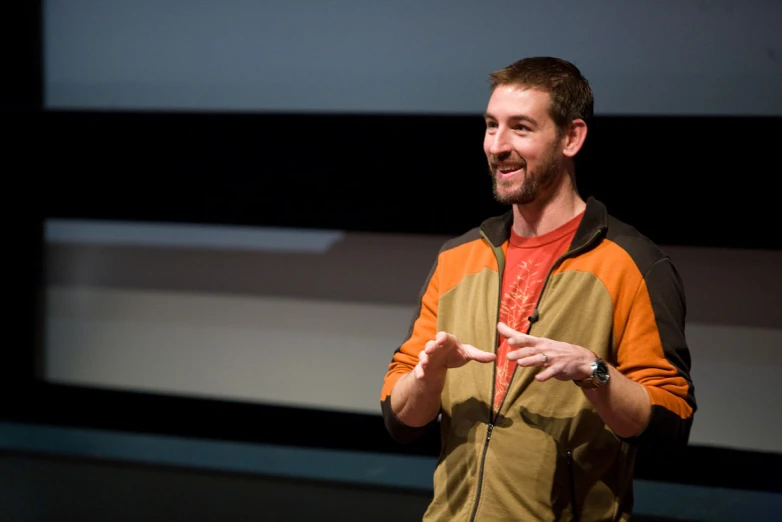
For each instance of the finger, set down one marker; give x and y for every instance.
(420, 369)
(515, 338)
(423, 359)
(444, 338)
(430, 346)
(521, 353)
(476, 354)
(530, 361)
(546, 374)
(505, 330)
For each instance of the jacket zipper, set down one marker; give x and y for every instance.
(492, 415)
(572, 483)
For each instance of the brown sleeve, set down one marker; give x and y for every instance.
(653, 351)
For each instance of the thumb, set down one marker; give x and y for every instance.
(475, 354)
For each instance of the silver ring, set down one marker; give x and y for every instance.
(545, 359)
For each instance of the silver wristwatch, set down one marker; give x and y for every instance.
(599, 375)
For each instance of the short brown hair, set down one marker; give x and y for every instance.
(571, 95)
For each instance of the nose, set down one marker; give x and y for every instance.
(498, 143)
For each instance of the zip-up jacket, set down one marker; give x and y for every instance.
(547, 454)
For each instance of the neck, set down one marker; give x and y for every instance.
(550, 210)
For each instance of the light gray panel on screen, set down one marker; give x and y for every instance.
(736, 374)
(183, 235)
(644, 57)
(292, 352)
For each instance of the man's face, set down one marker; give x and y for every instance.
(521, 144)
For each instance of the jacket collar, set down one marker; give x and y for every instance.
(497, 228)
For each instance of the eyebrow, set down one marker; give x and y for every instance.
(515, 117)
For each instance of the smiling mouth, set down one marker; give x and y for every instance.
(507, 171)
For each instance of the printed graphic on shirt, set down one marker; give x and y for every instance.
(518, 302)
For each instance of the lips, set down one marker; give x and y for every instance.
(506, 168)
(506, 171)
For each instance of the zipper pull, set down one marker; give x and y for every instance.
(488, 434)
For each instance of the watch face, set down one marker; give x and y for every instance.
(601, 371)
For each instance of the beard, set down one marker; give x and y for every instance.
(532, 183)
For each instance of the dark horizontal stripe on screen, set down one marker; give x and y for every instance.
(365, 268)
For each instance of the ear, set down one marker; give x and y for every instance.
(573, 138)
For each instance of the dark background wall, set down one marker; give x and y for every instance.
(696, 173)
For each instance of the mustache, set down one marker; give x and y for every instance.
(516, 163)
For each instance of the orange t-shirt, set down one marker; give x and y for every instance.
(527, 263)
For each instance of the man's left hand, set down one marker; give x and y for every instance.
(563, 361)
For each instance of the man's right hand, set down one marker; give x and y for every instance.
(415, 398)
(445, 352)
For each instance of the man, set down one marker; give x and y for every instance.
(550, 340)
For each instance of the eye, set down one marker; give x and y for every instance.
(521, 127)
